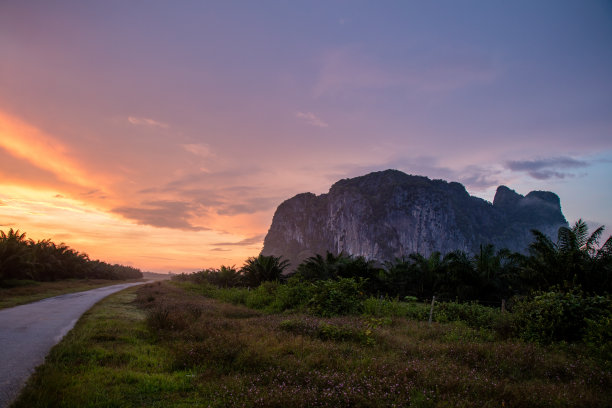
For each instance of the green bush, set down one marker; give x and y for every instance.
(473, 314)
(392, 307)
(598, 335)
(237, 296)
(262, 296)
(560, 316)
(294, 295)
(337, 297)
(333, 332)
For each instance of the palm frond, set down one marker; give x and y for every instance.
(581, 231)
(591, 243)
(606, 249)
(567, 241)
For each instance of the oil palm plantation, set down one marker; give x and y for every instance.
(263, 268)
(321, 267)
(16, 260)
(428, 274)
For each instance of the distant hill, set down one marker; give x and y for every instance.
(389, 214)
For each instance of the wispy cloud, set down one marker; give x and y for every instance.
(165, 214)
(311, 119)
(247, 241)
(549, 168)
(139, 121)
(198, 149)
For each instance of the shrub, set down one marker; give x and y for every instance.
(158, 318)
(262, 296)
(391, 307)
(328, 331)
(598, 335)
(237, 296)
(334, 298)
(294, 295)
(473, 314)
(560, 316)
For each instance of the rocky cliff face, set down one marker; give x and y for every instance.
(389, 214)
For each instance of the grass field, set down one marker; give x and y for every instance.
(19, 292)
(162, 346)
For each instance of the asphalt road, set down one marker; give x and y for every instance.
(28, 332)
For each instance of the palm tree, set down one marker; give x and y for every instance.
(494, 271)
(227, 277)
(574, 259)
(460, 277)
(322, 268)
(577, 239)
(15, 256)
(396, 277)
(263, 268)
(428, 273)
(543, 265)
(583, 260)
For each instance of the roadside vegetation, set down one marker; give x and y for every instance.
(44, 260)
(163, 346)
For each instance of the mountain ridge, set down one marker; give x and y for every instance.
(388, 214)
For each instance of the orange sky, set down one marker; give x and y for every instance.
(48, 192)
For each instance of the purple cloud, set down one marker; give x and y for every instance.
(545, 169)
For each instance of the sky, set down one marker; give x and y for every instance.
(164, 134)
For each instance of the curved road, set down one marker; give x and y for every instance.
(28, 332)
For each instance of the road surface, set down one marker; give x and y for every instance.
(28, 332)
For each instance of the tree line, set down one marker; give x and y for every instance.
(575, 260)
(44, 260)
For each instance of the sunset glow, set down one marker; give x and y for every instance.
(164, 137)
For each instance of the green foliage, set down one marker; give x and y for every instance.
(560, 315)
(598, 335)
(574, 260)
(334, 332)
(294, 295)
(262, 268)
(224, 277)
(262, 296)
(46, 261)
(394, 308)
(254, 271)
(473, 314)
(337, 297)
(341, 266)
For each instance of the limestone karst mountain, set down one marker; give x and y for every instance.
(389, 214)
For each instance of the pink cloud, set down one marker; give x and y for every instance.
(311, 119)
(147, 122)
